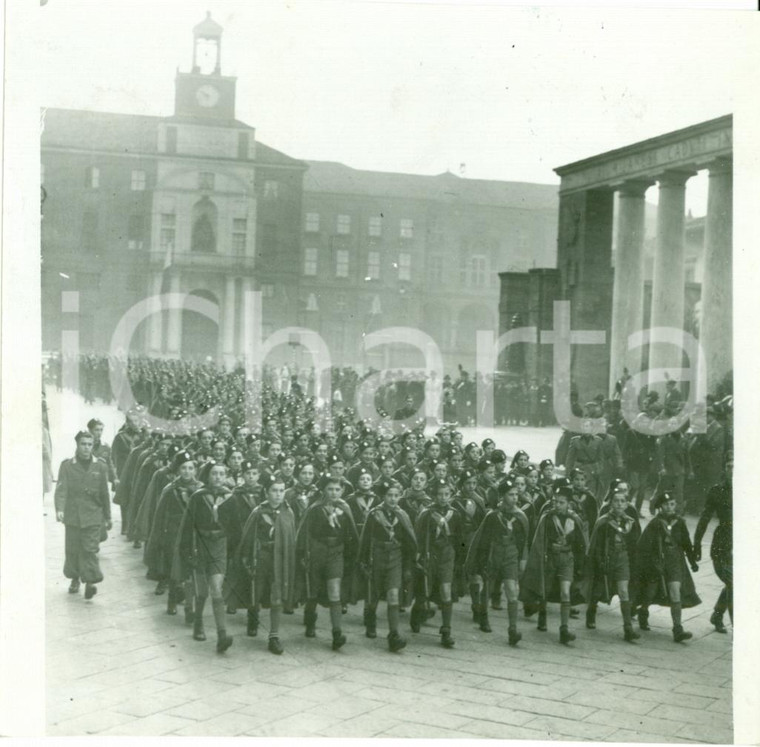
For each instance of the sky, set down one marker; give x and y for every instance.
(484, 91)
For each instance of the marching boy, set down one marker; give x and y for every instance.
(663, 577)
(267, 555)
(555, 561)
(387, 551)
(499, 551)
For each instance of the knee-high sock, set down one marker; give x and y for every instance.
(200, 603)
(564, 613)
(274, 620)
(393, 618)
(625, 611)
(335, 615)
(512, 614)
(675, 613)
(219, 615)
(722, 604)
(446, 615)
(475, 593)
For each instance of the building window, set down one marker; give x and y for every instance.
(168, 230)
(478, 271)
(267, 290)
(136, 231)
(239, 235)
(92, 177)
(138, 181)
(89, 230)
(404, 266)
(435, 268)
(375, 227)
(271, 189)
(473, 271)
(341, 263)
(243, 145)
(373, 265)
(407, 228)
(310, 261)
(205, 180)
(340, 303)
(312, 223)
(171, 139)
(343, 225)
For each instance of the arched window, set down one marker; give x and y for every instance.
(204, 226)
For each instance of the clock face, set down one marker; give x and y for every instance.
(207, 96)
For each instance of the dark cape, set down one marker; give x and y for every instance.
(242, 590)
(598, 580)
(362, 576)
(165, 530)
(650, 580)
(535, 586)
(479, 551)
(303, 553)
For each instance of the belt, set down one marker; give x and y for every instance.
(388, 543)
(211, 533)
(560, 548)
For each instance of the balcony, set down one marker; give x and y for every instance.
(203, 261)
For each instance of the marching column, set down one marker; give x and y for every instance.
(628, 287)
(668, 281)
(229, 322)
(174, 331)
(716, 327)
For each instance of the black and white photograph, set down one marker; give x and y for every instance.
(384, 357)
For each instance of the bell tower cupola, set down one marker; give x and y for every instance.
(204, 93)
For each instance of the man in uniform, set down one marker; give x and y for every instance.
(82, 504)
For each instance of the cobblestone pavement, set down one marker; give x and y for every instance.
(118, 665)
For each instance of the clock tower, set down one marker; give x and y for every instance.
(204, 93)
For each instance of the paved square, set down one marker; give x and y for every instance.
(119, 665)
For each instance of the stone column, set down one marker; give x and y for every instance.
(668, 280)
(628, 284)
(174, 332)
(228, 330)
(245, 346)
(155, 327)
(716, 323)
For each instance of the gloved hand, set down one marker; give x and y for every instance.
(697, 552)
(694, 567)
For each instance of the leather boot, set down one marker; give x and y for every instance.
(171, 604)
(370, 623)
(514, 636)
(415, 620)
(252, 624)
(74, 586)
(484, 625)
(223, 641)
(643, 616)
(189, 614)
(565, 636)
(199, 633)
(160, 588)
(629, 634)
(446, 640)
(679, 634)
(339, 640)
(591, 617)
(541, 619)
(310, 621)
(716, 620)
(395, 642)
(275, 646)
